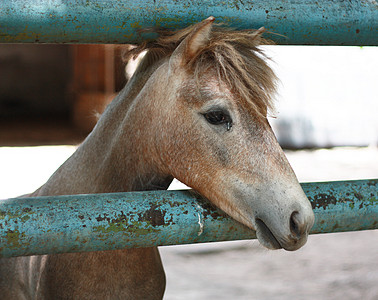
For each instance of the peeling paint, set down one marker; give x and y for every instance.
(296, 22)
(145, 219)
(13, 238)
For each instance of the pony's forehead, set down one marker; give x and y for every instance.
(210, 90)
(207, 88)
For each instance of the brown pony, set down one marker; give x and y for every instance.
(196, 110)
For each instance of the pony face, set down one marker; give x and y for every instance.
(214, 135)
(230, 155)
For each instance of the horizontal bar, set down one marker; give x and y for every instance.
(300, 22)
(95, 222)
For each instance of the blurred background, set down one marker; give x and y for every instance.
(326, 119)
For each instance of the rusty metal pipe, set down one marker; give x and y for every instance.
(302, 22)
(80, 223)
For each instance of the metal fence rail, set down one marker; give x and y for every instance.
(144, 219)
(303, 22)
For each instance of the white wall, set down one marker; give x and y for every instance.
(328, 95)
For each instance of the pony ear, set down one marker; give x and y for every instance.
(258, 33)
(194, 42)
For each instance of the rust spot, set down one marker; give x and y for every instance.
(103, 218)
(336, 226)
(210, 210)
(170, 221)
(121, 219)
(154, 216)
(358, 196)
(323, 200)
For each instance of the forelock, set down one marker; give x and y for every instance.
(236, 57)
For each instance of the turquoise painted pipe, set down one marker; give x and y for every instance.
(303, 22)
(95, 222)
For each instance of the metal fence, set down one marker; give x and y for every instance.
(301, 22)
(95, 222)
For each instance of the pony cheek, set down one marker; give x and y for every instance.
(194, 173)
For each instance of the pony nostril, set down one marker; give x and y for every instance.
(295, 226)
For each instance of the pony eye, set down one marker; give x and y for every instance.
(218, 118)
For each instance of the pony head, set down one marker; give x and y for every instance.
(213, 90)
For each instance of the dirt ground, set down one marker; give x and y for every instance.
(330, 266)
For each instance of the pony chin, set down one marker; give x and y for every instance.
(268, 242)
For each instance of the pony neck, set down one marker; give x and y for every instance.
(115, 157)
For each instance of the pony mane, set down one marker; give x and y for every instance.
(234, 54)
